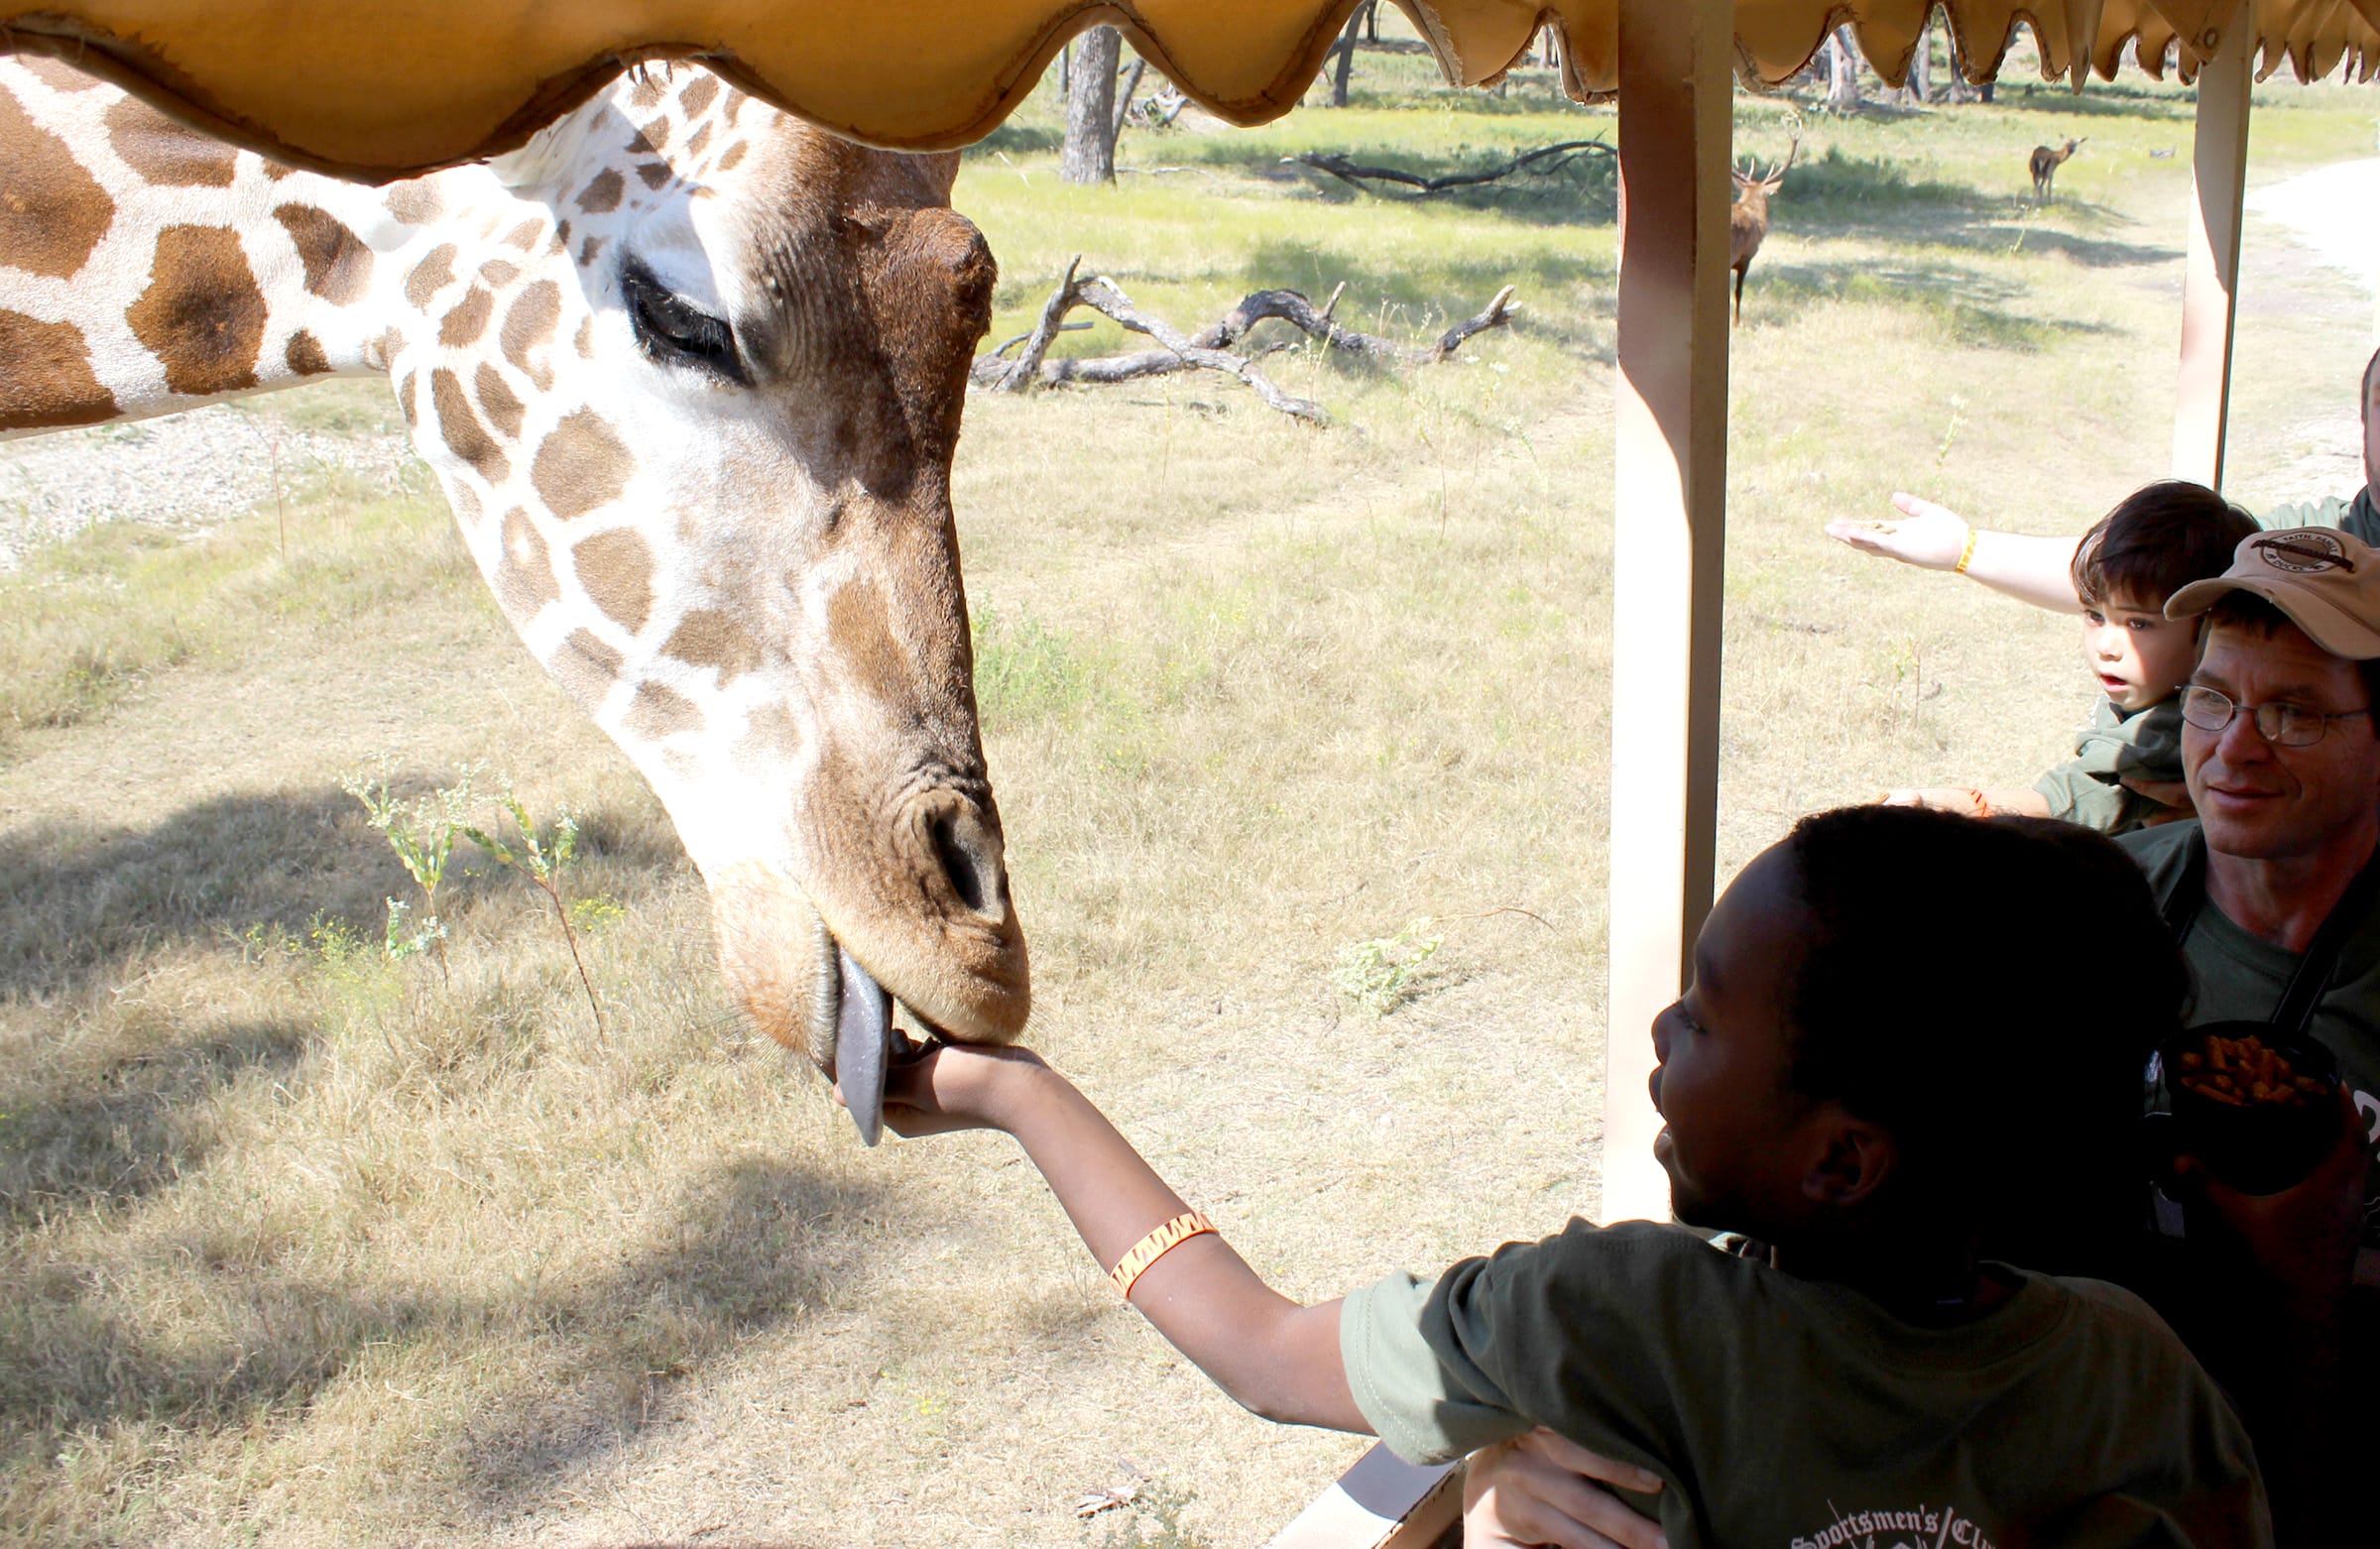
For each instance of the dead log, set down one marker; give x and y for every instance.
(1546, 160)
(1210, 349)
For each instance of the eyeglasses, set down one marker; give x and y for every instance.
(2279, 722)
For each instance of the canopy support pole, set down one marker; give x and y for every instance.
(1676, 107)
(2211, 272)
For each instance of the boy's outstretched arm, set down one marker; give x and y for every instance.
(1275, 1356)
(1935, 538)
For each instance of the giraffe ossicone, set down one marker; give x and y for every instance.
(690, 373)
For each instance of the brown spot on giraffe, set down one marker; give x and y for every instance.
(616, 569)
(46, 376)
(469, 318)
(379, 353)
(57, 75)
(659, 712)
(707, 638)
(697, 95)
(465, 502)
(731, 156)
(202, 315)
(734, 108)
(647, 139)
(415, 203)
(529, 323)
(405, 402)
(585, 666)
(561, 236)
(581, 466)
(503, 408)
(700, 138)
(584, 343)
(53, 214)
(338, 267)
(774, 738)
(601, 195)
(525, 579)
(499, 273)
(654, 174)
(433, 274)
(587, 251)
(525, 236)
(303, 353)
(648, 90)
(163, 152)
(460, 429)
(275, 170)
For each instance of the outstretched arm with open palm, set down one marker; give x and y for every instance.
(1933, 538)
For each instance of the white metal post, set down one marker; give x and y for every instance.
(2211, 272)
(1676, 109)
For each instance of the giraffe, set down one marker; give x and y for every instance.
(689, 373)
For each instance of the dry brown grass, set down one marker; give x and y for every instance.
(303, 1247)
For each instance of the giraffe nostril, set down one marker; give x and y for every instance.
(969, 853)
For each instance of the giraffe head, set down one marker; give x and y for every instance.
(691, 373)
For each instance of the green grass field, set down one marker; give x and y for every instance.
(300, 1246)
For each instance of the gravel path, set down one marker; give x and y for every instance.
(189, 470)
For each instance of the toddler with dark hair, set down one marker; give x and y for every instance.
(2126, 772)
(1873, 1377)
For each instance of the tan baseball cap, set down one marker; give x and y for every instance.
(2326, 582)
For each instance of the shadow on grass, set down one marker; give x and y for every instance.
(743, 1254)
(136, 1128)
(1972, 308)
(81, 901)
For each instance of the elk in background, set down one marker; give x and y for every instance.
(2046, 163)
(1747, 217)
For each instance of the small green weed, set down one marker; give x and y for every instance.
(541, 857)
(422, 832)
(1154, 1520)
(1385, 973)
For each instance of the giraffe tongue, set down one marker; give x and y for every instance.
(863, 1037)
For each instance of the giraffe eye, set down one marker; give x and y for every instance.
(675, 332)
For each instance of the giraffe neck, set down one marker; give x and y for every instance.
(145, 269)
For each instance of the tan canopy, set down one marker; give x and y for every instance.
(384, 88)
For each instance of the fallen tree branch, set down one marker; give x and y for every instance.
(1210, 349)
(1546, 160)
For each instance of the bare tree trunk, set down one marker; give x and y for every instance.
(1090, 152)
(1921, 65)
(1842, 73)
(1345, 64)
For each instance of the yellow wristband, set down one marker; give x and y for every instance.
(1181, 1229)
(1967, 555)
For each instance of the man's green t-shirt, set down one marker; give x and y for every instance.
(2356, 518)
(2143, 744)
(1786, 1413)
(2239, 977)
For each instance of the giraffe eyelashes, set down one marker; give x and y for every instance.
(675, 332)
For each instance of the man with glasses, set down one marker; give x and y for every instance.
(2278, 1292)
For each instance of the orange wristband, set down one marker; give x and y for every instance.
(1173, 1234)
(1967, 555)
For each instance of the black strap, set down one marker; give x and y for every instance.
(2304, 991)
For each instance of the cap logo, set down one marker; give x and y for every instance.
(2304, 549)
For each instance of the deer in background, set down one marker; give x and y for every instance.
(1747, 217)
(2046, 163)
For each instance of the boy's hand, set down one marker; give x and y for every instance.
(956, 1086)
(1962, 799)
(1544, 1489)
(1927, 536)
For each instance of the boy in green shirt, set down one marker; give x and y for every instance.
(2126, 772)
(1872, 1379)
